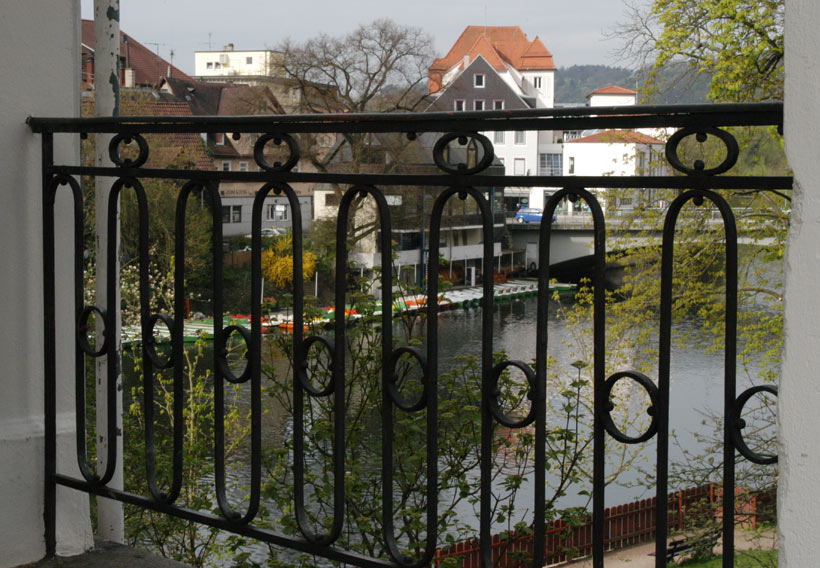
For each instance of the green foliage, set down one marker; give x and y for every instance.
(169, 536)
(737, 43)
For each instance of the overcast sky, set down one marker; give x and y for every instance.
(571, 29)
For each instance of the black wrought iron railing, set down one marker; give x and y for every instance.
(466, 181)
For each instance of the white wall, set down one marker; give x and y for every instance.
(40, 77)
(799, 395)
(611, 100)
(262, 63)
(600, 158)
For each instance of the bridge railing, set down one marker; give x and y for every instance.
(461, 154)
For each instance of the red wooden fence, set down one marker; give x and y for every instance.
(624, 526)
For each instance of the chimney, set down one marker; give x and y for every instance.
(229, 47)
(130, 78)
(466, 60)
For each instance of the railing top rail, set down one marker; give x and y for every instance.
(573, 118)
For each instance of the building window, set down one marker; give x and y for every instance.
(498, 137)
(219, 139)
(277, 212)
(572, 164)
(478, 104)
(459, 105)
(536, 82)
(331, 200)
(243, 166)
(209, 65)
(226, 166)
(249, 60)
(217, 65)
(549, 164)
(231, 213)
(520, 167)
(478, 80)
(498, 104)
(520, 137)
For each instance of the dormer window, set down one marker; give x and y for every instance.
(219, 139)
(478, 80)
(536, 82)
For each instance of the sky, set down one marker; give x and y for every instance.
(572, 30)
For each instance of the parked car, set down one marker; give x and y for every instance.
(530, 215)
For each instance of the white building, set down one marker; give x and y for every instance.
(499, 68)
(230, 63)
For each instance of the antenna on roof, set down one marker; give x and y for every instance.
(485, 19)
(209, 41)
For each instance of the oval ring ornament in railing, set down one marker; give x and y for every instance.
(701, 134)
(650, 388)
(463, 138)
(495, 408)
(222, 358)
(277, 138)
(150, 341)
(303, 378)
(82, 331)
(738, 424)
(393, 390)
(114, 150)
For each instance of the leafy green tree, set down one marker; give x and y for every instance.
(737, 43)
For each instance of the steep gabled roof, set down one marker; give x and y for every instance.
(148, 67)
(202, 98)
(612, 90)
(506, 43)
(536, 56)
(617, 137)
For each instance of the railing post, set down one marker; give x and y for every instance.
(111, 523)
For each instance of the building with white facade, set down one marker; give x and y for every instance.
(499, 68)
(230, 63)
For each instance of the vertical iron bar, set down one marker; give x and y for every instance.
(729, 370)
(49, 345)
(599, 376)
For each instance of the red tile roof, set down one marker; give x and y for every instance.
(617, 137)
(148, 67)
(613, 90)
(501, 46)
(177, 150)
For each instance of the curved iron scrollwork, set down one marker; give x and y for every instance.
(701, 134)
(495, 392)
(277, 138)
(126, 139)
(470, 141)
(698, 197)
(738, 424)
(650, 389)
(83, 329)
(599, 343)
(150, 343)
(459, 153)
(393, 390)
(302, 376)
(222, 356)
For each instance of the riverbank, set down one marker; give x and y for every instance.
(640, 556)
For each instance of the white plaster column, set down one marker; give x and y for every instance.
(40, 42)
(798, 504)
